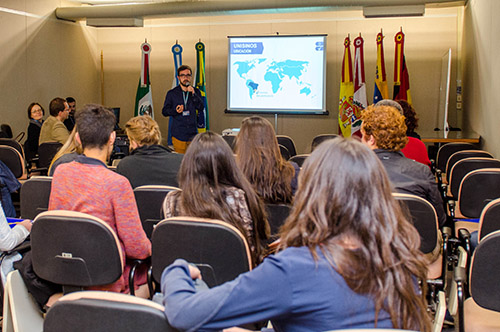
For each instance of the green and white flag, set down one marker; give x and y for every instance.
(144, 98)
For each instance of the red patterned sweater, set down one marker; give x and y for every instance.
(86, 185)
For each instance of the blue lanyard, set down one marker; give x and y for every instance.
(185, 96)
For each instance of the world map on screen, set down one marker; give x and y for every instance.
(254, 72)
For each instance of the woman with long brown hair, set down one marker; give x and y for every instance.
(347, 259)
(214, 187)
(259, 157)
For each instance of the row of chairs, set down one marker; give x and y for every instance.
(469, 180)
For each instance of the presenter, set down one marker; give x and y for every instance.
(186, 109)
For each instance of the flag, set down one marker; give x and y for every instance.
(200, 82)
(360, 101)
(177, 55)
(381, 91)
(401, 77)
(346, 104)
(143, 97)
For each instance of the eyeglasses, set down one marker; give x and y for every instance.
(185, 75)
(36, 111)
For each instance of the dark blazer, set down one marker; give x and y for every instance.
(154, 164)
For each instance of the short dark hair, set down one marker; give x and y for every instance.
(70, 99)
(56, 105)
(31, 106)
(94, 124)
(183, 67)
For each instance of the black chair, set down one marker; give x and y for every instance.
(446, 150)
(463, 167)
(149, 204)
(277, 214)
(14, 161)
(284, 152)
(299, 159)
(46, 152)
(94, 311)
(75, 250)
(489, 221)
(230, 140)
(457, 156)
(6, 129)
(218, 249)
(480, 312)
(317, 140)
(13, 143)
(35, 194)
(288, 143)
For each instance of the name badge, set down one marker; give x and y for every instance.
(185, 113)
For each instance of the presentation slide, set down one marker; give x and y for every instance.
(277, 74)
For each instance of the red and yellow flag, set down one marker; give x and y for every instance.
(360, 101)
(380, 91)
(401, 77)
(347, 109)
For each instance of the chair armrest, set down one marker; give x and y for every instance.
(460, 278)
(131, 276)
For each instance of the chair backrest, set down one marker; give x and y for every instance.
(317, 140)
(75, 249)
(424, 218)
(463, 167)
(35, 194)
(46, 152)
(13, 160)
(459, 155)
(230, 140)
(489, 221)
(284, 152)
(149, 200)
(287, 142)
(13, 143)
(94, 311)
(218, 249)
(477, 189)
(5, 128)
(277, 214)
(446, 150)
(485, 273)
(299, 159)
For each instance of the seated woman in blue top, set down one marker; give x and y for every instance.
(347, 259)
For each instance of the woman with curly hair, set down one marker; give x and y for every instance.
(348, 259)
(214, 187)
(259, 157)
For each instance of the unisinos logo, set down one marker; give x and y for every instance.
(247, 48)
(319, 46)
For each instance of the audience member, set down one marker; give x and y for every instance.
(260, 160)
(391, 103)
(35, 114)
(87, 185)
(53, 129)
(411, 119)
(9, 239)
(148, 162)
(384, 131)
(67, 153)
(214, 187)
(70, 121)
(347, 259)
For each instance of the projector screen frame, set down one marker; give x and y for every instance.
(285, 111)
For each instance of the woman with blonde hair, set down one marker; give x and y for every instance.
(67, 153)
(214, 187)
(148, 162)
(259, 157)
(348, 259)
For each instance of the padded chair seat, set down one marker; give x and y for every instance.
(478, 319)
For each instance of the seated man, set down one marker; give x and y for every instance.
(53, 129)
(384, 131)
(87, 185)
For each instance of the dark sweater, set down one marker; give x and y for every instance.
(154, 164)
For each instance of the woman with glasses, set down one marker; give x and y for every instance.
(35, 114)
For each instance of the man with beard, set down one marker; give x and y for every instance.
(185, 107)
